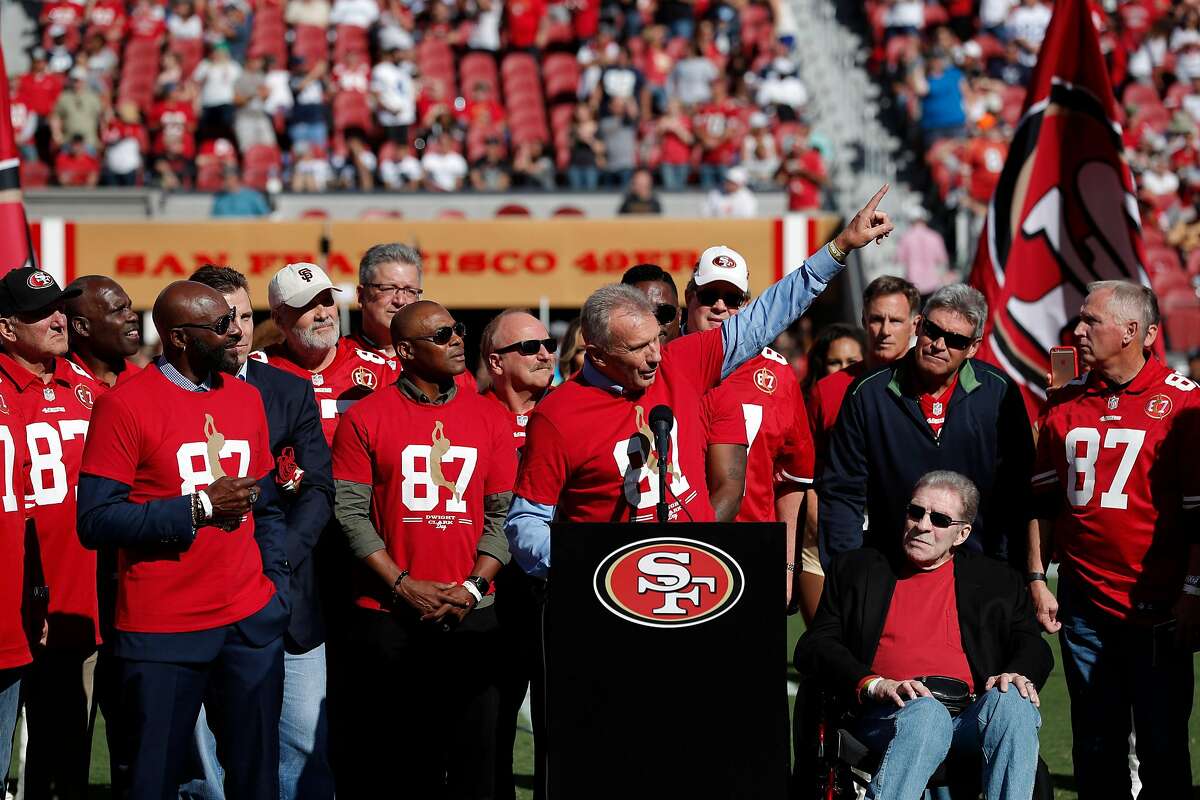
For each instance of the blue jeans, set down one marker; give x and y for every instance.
(304, 770)
(311, 132)
(583, 178)
(10, 704)
(674, 176)
(1109, 671)
(711, 176)
(915, 739)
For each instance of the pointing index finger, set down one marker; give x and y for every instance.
(873, 203)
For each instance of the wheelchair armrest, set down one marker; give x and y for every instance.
(854, 752)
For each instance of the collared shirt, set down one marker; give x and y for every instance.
(597, 378)
(410, 390)
(176, 377)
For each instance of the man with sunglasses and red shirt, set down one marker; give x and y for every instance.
(936, 408)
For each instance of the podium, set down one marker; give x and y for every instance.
(665, 661)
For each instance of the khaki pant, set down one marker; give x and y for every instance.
(58, 706)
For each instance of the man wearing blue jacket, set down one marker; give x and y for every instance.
(937, 408)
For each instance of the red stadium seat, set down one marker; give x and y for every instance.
(451, 213)
(351, 110)
(311, 43)
(190, 52)
(380, 214)
(1162, 259)
(314, 213)
(568, 211)
(1193, 262)
(1155, 117)
(208, 177)
(1183, 328)
(513, 210)
(34, 175)
(1138, 95)
(517, 63)
(350, 37)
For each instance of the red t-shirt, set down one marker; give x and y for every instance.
(392, 366)
(75, 170)
(986, 160)
(825, 403)
(935, 408)
(56, 416)
(674, 149)
(804, 194)
(124, 375)
(429, 467)
(515, 422)
(106, 15)
(524, 19)
(40, 92)
(175, 122)
(63, 12)
(218, 579)
(148, 25)
(921, 634)
(718, 120)
(590, 452)
(14, 644)
(352, 79)
(1124, 464)
(352, 375)
(764, 396)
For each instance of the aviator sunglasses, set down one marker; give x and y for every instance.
(444, 334)
(954, 341)
(529, 347)
(665, 313)
(917, 513)
(710, 296)
(220, 327)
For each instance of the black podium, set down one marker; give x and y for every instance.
(665, 662)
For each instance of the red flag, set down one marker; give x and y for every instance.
(15, 246)
(1064, 212)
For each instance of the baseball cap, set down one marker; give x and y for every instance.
(297, 284)
(737, 175)
(29, 289)
(722, 263)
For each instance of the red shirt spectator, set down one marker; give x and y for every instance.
(221, 150)
(61, 12)
(39, 89)
(524, 20)
(352, 77)
(147, 21)
(107, 17)
(175, 123)
(76, 167)
(718, 125)
(805, 171)
(984, 160)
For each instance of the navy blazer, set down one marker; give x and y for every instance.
(293, 421)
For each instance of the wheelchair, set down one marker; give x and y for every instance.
(831, 764)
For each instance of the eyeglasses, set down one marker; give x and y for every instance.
(917, 513)
(529, 347)
(444, 334)
(391, 289)
(710, 296)
(665, 313)
(954, 341)
(220, 327)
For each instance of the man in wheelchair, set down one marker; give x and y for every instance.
(940, 651)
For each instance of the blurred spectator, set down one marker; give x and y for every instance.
(922, 253)
(59, 58)
(733, 200)
(355, 168)
(444, 168)
(759, 156)
(679, 16)
(39, 88)
(1010, 70)
(491, 172)
(836, 347)
(183, 22)
(147, 20)
(692, 78)
(216, 76)
(485, 33)
(353, 74)
(780, 90)
(532, 167)
(941, 92)
(993, 16)
(982, 164)
(674, 131)
(99, 59)
(24, 122)
(309, 112)
(359, 13)
(125, 145)
(61, 14)
(235, 200)
(586, 153)
(903, 18)
(399, 169)
(803, 173)
(173, 121)
(395, 26)
(1026, 26)
(656, 65)
(311, 171)
(170, 74)
(307, 12)
(232, 26)
(395, 96)
(620, 80)
(214, 153)
(482, 112)
(524, 23)
(278, 81)
(641, 198)
(251, 124)
(718, 127)
(618, 132)
(107, 19)
(77, 112)
(75, 164)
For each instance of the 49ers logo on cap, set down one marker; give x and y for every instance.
(1158, 406)
(364, 377)
(39, 280)
(85, 396)
(764, 379)
(668, 582)
(724, 262)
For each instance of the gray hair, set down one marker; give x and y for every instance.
(963, 300)
(1130, 301)
(961, 485)
(603, 304)
(387, 253)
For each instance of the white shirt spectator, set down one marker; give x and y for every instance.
(691, 80)
(994, 13)
(401, 173)
(486, 33)
(123, 156)
(191, 27)
(308, 12)
(315, 169)
(1191, 104)
(1158, 180)
(446, 170)
(393, 37)
(1028, 24)
(352, 79)
(279, 86)
(216, 82)
(1187, 64)
(24, 121)
(781, 88)
(396, 93)
(1147, 58)
(740, 204)
(763, 165)
(359, 13)
(905, 14)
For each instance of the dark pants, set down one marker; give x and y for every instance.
(1111, 679)
(242, 689)
(57, 689)
(518, 608)
(425, 706)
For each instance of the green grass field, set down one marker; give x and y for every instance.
(1055, 736)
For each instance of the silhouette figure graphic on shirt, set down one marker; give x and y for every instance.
(215, 442)
(436, 453)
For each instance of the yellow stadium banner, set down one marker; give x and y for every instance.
(468, 264)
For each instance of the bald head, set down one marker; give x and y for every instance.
(187, 303)
(101, 322)
(90, 287)
(415, 319)
(428, 342)
(189, 316)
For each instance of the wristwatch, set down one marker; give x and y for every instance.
(1034, 577)
(480, 583)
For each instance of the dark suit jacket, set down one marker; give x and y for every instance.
(999, 630)
(293, 421)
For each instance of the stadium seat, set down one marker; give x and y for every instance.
(351, 110)
(1162, 259)
(311, 43)
(208, 177)
(190, 52)
(1155, 117)
(513, 210)
(380, 214)
(34, 175)
(1139, 95)
(1193, 263)
(569, 211)
(314, 213)
(1183, 328)
(350, 37)
(451, 213)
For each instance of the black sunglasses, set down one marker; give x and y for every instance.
(220, 327)
(529, 347)
(444, 334)
(917, 513)
(665, 313)
(710, 296)
(954, 341)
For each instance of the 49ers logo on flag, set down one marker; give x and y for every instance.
(1064, 213)
(668, 582)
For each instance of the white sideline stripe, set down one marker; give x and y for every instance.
(54, 248)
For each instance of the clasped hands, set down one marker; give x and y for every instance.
(436, 600)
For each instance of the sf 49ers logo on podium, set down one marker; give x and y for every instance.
(668, 582)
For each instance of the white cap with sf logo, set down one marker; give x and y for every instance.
(297, 284)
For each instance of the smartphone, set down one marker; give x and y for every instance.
(1064, 365)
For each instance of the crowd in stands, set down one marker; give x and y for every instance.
(314, 95)
(959, 71)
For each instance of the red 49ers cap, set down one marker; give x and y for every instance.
(296, 284)
(30, 289)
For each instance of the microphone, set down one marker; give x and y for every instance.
(661, 421)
